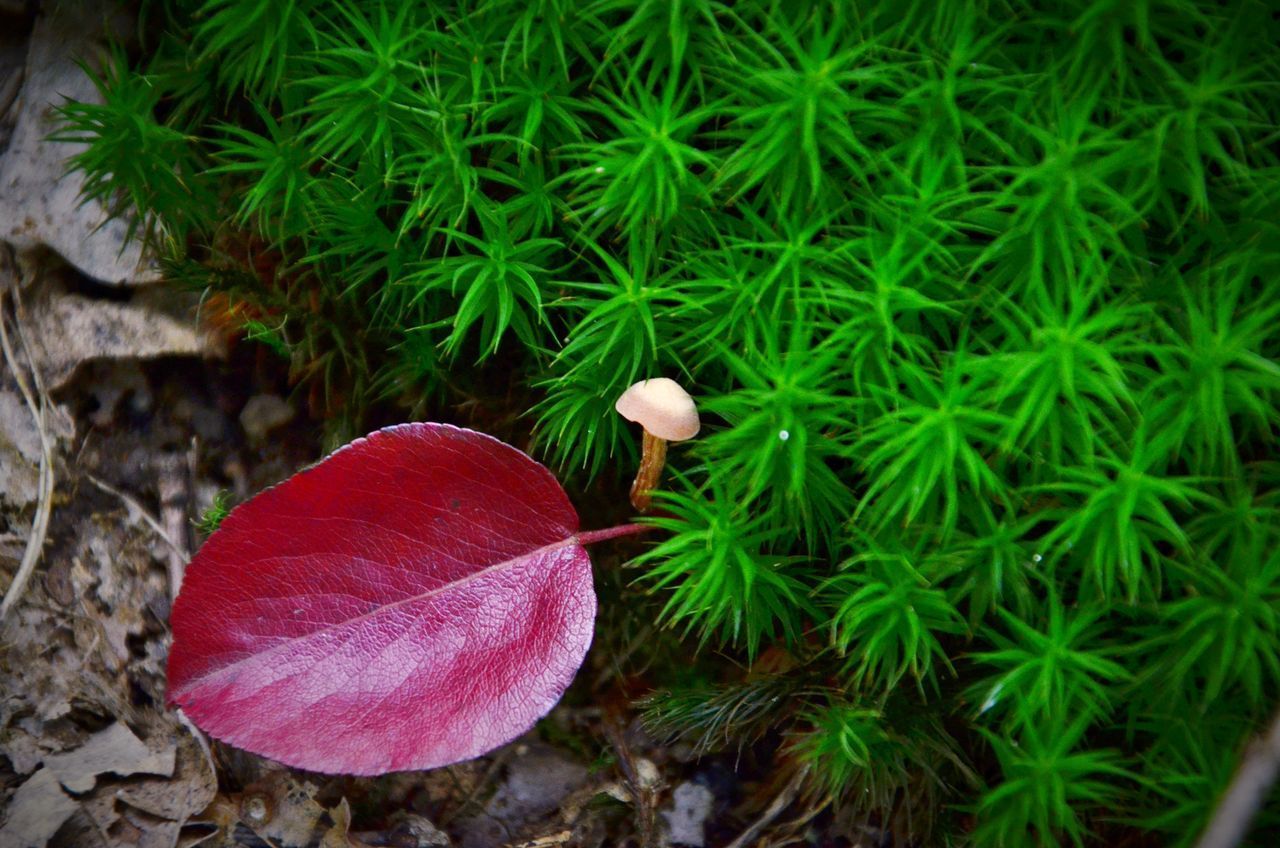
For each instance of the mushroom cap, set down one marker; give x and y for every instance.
(662, 408)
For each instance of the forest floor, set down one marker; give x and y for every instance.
(121, 420)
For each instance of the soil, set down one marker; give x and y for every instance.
(86, 740)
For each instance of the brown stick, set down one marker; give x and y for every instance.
(780, 803)
(653, 456)
(136, 507)
(1248, 789)
(173, 512)
(40, 411)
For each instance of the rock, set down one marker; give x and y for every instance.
(262, 414)
(691, 805)
(536, 783)
(207, 421)
(66, 330)
(40, 204)
(417, 832)
(13, 60)
(110, 382)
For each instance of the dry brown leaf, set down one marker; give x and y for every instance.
(146, 810)
(339, 835)
(116, 750)
(281, 808)
(20, 448)
(37, 660)
(181, 797)
(560, 837)
(23, 750)
(80, 831)
(199, 833)
(222, 814)
(136, 828)
(99, 807)
(117, 619)
(36, 811)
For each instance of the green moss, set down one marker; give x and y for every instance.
(981, 301)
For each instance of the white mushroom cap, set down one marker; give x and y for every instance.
(662, 408)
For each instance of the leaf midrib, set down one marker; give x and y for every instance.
(201, 679)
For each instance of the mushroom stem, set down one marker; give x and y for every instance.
(653, 455)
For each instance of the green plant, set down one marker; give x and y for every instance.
(979, 300)
(1048, 786)
(887, 617)
(722, 570)
(136, 164)
(215, 512)
(1051, 673)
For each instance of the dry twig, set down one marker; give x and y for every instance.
(40, 410)
(173, 512)
(642, 780)
(1248, 789)
(141, 511)
(784, 799)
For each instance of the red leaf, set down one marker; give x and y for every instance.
(418, 598)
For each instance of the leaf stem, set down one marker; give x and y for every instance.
(592, 536)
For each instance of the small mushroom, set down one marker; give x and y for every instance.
(667, 414)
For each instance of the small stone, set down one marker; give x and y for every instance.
(536, 783)
(262, 414)
(418, 832)
(112, 380)
(687, 818)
